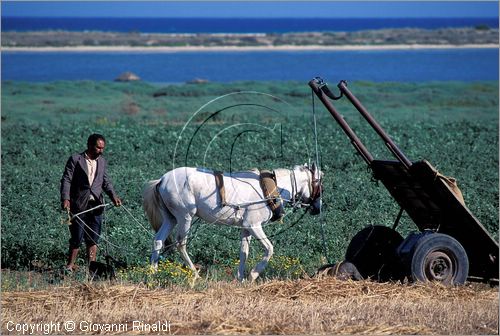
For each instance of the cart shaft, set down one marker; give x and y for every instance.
(356, 142)
(375, 125)
(323, 93)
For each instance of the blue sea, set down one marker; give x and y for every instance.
(177, 67)
(227, 66)
(236, 25)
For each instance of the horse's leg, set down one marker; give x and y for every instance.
(245, 247)
(258, 233)
(167, 225)
(182, 232)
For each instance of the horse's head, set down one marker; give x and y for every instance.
(312, 188)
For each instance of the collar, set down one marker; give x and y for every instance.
(87, 157)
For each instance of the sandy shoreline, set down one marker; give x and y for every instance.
(250, 48)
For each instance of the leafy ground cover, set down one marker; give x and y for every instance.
(152, 128)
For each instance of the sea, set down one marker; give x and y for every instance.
(177, 67)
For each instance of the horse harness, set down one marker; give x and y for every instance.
(269, 186)
(219, 183)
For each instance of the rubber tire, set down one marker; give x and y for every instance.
(373, 252)
(434, 251)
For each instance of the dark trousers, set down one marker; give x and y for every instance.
(86, 226)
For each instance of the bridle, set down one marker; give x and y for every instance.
(315, 189)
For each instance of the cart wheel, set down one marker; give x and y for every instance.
(439, 257)
(373, 252)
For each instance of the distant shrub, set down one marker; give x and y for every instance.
(482, 27)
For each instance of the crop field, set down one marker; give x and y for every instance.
(151, 129)
(235, 126)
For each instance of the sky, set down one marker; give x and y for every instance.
(260, 9)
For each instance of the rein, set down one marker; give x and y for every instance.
(77, 216)
(296, 198)
(299, 220)
(91, 209)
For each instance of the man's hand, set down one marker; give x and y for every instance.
(65, 205)
(117, 201)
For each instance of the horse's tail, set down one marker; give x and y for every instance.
(152, 203)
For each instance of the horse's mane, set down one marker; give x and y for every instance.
(210, 171)
(255, 171)
(301, 167)
(285, 171)
(282, 172)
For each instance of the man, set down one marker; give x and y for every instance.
(83, 181)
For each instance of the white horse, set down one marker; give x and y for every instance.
(184, 193)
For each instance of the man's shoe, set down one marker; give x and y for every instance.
(66, 270)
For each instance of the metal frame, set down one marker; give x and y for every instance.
(428, 200)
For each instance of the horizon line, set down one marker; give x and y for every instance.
(250, 17)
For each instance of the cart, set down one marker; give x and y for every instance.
(452, 246)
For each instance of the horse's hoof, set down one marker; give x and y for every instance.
(253, 276)
(240, 277)
(193, 280)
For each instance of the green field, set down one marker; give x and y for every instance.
(150, 129)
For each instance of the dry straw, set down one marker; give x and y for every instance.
(308, 306)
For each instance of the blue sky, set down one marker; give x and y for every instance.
(251, 8)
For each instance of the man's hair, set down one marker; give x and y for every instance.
(92, 140)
